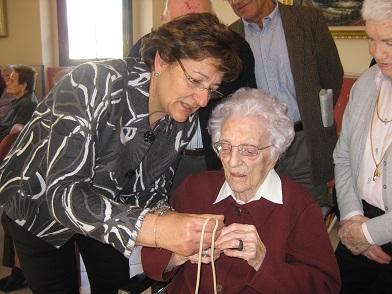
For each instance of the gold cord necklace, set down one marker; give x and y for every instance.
(377, 112)
(376, 172)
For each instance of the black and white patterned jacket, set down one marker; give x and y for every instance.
(88, 163)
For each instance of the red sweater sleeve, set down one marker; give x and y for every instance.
(155, 261)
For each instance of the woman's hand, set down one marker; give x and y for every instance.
(375, 253)
(235, 236)
(181, 232)
(351, 234)
(177, 260)
(205, 256)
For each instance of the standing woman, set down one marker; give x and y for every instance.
(96, 161)
(363, 159)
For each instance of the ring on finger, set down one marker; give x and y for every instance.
(240, 245)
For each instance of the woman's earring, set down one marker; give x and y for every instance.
(157, 73)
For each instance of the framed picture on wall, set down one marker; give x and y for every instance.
(3, 25)
(343, 16)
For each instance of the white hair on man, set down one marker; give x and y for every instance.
(175, 8)
(377, 10)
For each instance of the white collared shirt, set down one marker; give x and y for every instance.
(270, 189)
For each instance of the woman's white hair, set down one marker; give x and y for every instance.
(377, 10)
(251, 102)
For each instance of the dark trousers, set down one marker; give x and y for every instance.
(360, 274)
(8, 244)
(49, 270)
(296, 163)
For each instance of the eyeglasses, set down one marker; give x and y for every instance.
(193, 83)
(247, 150)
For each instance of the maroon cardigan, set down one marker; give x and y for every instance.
(299, 257)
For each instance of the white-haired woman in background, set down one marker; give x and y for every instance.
(362, 158)
(274, 239)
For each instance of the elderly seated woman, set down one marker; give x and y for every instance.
(274, 239)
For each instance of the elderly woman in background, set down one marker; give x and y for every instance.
(274, 239)
(96, 161)
(21, 102)
(363, 160)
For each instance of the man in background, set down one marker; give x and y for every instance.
(295, 57)
(199, 155)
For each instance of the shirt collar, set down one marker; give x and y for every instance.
(380, 79)
(384, 85)
(270, 189)
(267, 21)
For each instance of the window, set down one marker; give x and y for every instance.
(93, 29)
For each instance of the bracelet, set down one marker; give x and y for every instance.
(155, 231)
(159, 213)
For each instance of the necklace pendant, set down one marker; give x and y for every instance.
(376, 174)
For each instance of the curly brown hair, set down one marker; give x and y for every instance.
(195, 36)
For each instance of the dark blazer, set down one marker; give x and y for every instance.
(315, 64)
(245, 79)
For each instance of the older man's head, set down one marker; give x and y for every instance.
(249, 130)
(175, 8)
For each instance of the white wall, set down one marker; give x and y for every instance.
(354, 55)
(23, 42)
(146, 16)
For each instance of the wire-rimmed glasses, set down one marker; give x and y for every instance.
(193, 83)
(248, 150)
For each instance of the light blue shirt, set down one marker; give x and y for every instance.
(272, 64)
(197, 141)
